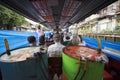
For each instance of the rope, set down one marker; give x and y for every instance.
(79, 60)
(85, 68)
(84, 72)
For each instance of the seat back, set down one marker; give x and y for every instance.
(55, 66)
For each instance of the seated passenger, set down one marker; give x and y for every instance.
(82, 43)
(31, 40)
(75, 40)
(66, 35)
(37, 49)
(55, 50)
(67, 41)
(42, 41)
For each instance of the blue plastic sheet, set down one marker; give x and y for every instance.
(16, 39)
(91, 42)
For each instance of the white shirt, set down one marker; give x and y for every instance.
(55, 50)
(40, 33)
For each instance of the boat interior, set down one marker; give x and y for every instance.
(61, 14)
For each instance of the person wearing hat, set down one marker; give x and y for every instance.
(67, 41)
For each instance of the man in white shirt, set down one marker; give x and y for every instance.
(55, 50)
(41, 36)
(39, 31)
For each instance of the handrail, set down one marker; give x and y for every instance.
(109, 37)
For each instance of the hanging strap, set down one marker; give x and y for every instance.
(85, 69)
(84, 72)
(79, 60)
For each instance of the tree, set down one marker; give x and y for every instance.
(9, 19)
(117, 29)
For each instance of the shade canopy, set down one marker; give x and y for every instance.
(52, 13)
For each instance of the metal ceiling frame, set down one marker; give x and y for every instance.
(64, 12)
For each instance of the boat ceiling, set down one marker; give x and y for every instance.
(53, 13)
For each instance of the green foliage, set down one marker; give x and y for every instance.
(10, 19)
(117, 29)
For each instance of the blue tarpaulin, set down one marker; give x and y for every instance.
(16, 39)
(91, 42)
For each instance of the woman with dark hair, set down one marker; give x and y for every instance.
(42, 40)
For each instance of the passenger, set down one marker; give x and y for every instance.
(42, 41)
(40, 33)
(55, 50)
(62, 36)
(31, 40)
(37, 49)
(75, 40)
(51, 38)
(67, 41)
(82, 43)
(68, 34)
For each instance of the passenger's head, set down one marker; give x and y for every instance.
(56, 37)
(42, 40)
(32, 40)
(39, 27)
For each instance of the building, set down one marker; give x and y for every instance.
(103, 21)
